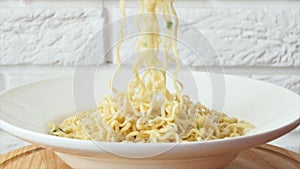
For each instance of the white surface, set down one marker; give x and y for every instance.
(31, 108)
(251, 37)
(9, 142)
(241, 36)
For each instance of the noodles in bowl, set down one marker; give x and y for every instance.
(148, 111)
(26, 110)
(209, 124)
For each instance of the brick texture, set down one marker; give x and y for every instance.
(240, 37)
(47, 36)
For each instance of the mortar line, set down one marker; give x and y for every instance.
(228, 4)
(107, 37)
(238, 70)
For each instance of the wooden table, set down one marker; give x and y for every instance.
(262, 157)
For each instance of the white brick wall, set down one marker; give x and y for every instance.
(241, 37)
(257, 39)
(46, 36)
(38, 33)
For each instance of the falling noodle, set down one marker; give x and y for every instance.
(148, 112)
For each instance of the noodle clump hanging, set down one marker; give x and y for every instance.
(148, 111)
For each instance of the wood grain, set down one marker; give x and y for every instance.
(266, 157)
(33, 157)
(262, 157)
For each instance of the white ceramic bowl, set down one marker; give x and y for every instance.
(27, 109)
